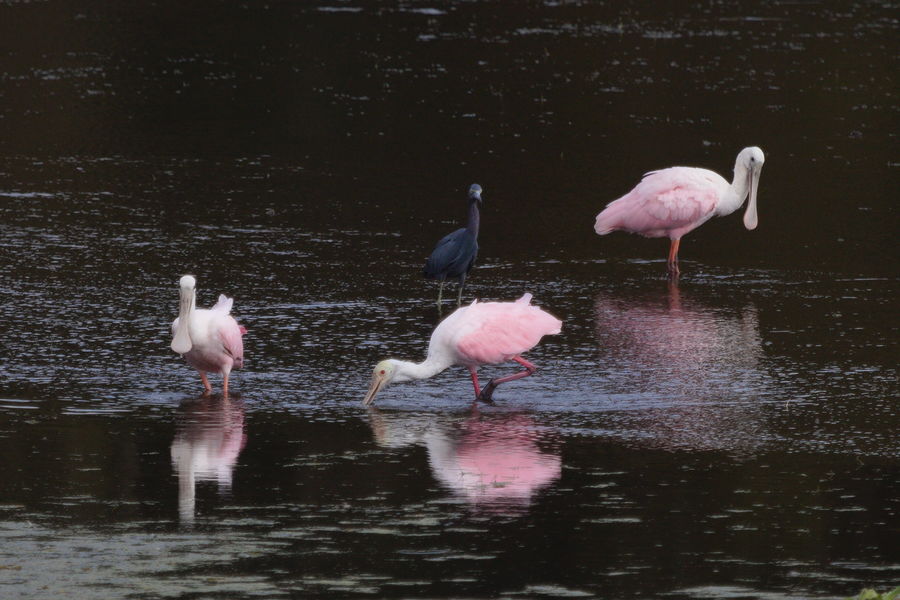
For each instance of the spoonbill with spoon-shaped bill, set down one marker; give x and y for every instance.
(481, 333)
(671, 202)
(209, 339)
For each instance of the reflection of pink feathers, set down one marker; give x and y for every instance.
(206, 447)
(210, 439)
(495, 332)
(496, 460)
(513, 467)
(666, 203)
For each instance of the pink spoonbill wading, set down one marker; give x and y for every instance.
(209, 339)
(671, 202)
(481, 333)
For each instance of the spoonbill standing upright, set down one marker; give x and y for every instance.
(671, 202)
(454, 255)
(209, 339)
(479, 334)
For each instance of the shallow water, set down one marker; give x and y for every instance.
(731, 436)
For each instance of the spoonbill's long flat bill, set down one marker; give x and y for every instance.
(671, 202)
(482, 333)
(209, 339)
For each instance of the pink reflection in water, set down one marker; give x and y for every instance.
(208, 441)
(670, 340)
(695, 369)
(496, 462)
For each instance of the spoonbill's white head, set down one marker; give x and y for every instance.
(181, 341)
(382, 375)
(751, 160)
(187, 282)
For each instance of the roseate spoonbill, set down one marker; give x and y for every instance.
(209, 339)
(455, 254)
(479, 334)
(671, 202)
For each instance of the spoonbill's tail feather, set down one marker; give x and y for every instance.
(223, 305)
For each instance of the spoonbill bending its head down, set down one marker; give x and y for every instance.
(671, 202)
(479, 334)
(209, 339)
(454, 255)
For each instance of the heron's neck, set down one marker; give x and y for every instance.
(431, 366)
(474, 218)
(737, 191)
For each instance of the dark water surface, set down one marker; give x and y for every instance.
(731, 436)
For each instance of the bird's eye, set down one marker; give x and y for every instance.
(382, 371)
(752, 159)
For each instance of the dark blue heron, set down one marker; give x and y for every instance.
(455, 254)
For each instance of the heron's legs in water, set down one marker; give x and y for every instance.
(462, 286)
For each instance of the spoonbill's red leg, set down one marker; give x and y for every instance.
(488, 391)
(475, 382)
(673, 257)
(205, 381)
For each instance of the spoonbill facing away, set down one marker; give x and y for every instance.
(479, 334)
(209, 339)
(671, 202)
(455, 254)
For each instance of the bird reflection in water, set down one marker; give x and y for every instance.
(496, 462)
(697, 366)
(208, 440)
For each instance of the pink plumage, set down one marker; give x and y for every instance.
(666, 203)
(671, 202)
(230, 333)
(495, 332)
(208, 339)
(479, 334)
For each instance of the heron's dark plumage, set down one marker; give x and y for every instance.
(454, 255)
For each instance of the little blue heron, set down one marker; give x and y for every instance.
(455, 254)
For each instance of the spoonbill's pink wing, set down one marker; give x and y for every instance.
(230, 333)
(494, 332)
(676, 200)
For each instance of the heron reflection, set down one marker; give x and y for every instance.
(208, 440)
(496, 462)
(700, 365)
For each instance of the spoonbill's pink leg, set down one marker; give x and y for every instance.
(673, 256)
(475, 382)
(493, 383)
(225, 385)
(205, 381)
